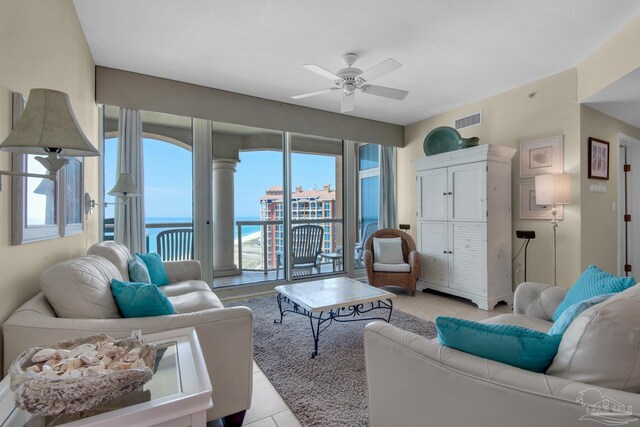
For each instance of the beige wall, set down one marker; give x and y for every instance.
(614, 59)
(42, 45)
(599, 219)
(508, 119)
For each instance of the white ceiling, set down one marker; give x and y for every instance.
(453, 52)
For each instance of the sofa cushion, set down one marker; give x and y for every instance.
(157, 272)
(529, 322)
(140, 299)
(80, 288)
(592, 282)
(392, 268)
(194, 301)
(388, 250)
(513, 345)
(181, 288)
(602, 344)
(117, 253)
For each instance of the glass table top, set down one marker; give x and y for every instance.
(166, 381)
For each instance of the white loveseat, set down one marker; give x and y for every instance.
(414, 381)
(79, 302)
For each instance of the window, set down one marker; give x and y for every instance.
(48, 209)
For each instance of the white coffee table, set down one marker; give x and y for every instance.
(333, 300)
(179, 393)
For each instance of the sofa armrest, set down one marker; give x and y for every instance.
(225, 335)
(448, 387)
(179, 271)
(538, 300)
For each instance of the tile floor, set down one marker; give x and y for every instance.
(269, 410)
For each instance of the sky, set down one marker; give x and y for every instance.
(168, 183)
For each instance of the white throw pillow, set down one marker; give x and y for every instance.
(388, 250)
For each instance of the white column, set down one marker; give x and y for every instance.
(223, 218)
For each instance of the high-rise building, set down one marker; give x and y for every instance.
(307, 207)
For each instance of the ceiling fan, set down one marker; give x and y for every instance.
(351, 79)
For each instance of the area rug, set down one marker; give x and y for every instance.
(330, 390)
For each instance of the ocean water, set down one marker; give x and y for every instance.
(152, 233)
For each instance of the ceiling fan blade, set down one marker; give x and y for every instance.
(317, 92)
(380, 70)
(386, 92)
(348, 101)
(321, 71)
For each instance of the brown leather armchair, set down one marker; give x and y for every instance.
(411, 256)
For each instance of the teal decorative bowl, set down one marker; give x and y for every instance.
(444, 139)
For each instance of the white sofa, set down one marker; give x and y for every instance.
(414, 381)
(79, 302)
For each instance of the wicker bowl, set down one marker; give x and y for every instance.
(42, 395)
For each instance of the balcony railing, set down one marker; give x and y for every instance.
(264, 244)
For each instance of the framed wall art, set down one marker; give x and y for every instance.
(529, 209)
(598, 159)
(541, 156)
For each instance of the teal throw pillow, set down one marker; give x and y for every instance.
(138, 271)
(591, 283)
(135, 299)
(157, 272)
(509, 344)
(567, 316)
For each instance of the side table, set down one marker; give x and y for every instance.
(179, 393)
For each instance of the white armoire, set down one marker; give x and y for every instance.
(463, 214)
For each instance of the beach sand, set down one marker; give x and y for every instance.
(251, 251)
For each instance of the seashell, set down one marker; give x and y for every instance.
(68, 364)
(119, 366)
(82, 348)
(133, 355)
(51, 373)
(46, 368)
(106, 360)
(44, 355)
(62, 354)
(34, 368)
(90, 361)
(114, 352)
(138, 364)
(51, 362)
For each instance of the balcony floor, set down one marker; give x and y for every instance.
(248, 277)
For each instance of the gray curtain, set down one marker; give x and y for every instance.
(387, 213)
(129, 215)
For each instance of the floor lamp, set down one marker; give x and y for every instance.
(553, 189)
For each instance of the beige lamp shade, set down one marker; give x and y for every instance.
(48, 124)
(125, 187)
(553, 189)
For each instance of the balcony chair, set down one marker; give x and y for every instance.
(358, 255)
(403, 275)
(176, 244)
(306, 247)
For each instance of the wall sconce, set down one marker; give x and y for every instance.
(124, 189)
(47, 126)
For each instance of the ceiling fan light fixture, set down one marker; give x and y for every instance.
(351, 79)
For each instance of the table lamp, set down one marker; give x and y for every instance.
(553, 189)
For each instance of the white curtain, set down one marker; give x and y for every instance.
(129, 216)
(387, 216)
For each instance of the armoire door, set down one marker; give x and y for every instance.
(468, 192)
(468, 257)
(434, 252)
(432, 194)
